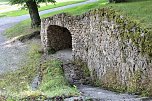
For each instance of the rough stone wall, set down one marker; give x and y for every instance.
(110, 45)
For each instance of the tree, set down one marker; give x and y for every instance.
(32, 6)
(116, 1)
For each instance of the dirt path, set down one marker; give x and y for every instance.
(12, 56)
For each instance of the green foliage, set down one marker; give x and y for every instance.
(24, 1)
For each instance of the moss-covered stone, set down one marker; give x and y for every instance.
(83, 67)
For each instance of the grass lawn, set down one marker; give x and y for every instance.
(22, 28)
(42, 7)
(139, 10)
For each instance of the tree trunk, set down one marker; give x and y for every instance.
(34, 14)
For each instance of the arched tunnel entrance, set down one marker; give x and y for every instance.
(59, 38)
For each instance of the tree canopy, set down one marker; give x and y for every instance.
(32, 6)
(24, 1)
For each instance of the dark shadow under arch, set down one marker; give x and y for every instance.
(59, 37)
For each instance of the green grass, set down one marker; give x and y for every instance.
(50, 6)
(140, 11)
(54, 83)
(80, 9)
(22, 28)
(17, 84)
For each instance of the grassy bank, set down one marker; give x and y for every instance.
(22, 28)
(54, 83)
(42, 7)
(17, 84)
(139, 10)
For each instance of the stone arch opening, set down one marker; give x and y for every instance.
(59, 37)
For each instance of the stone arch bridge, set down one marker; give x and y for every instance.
(96, 38)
